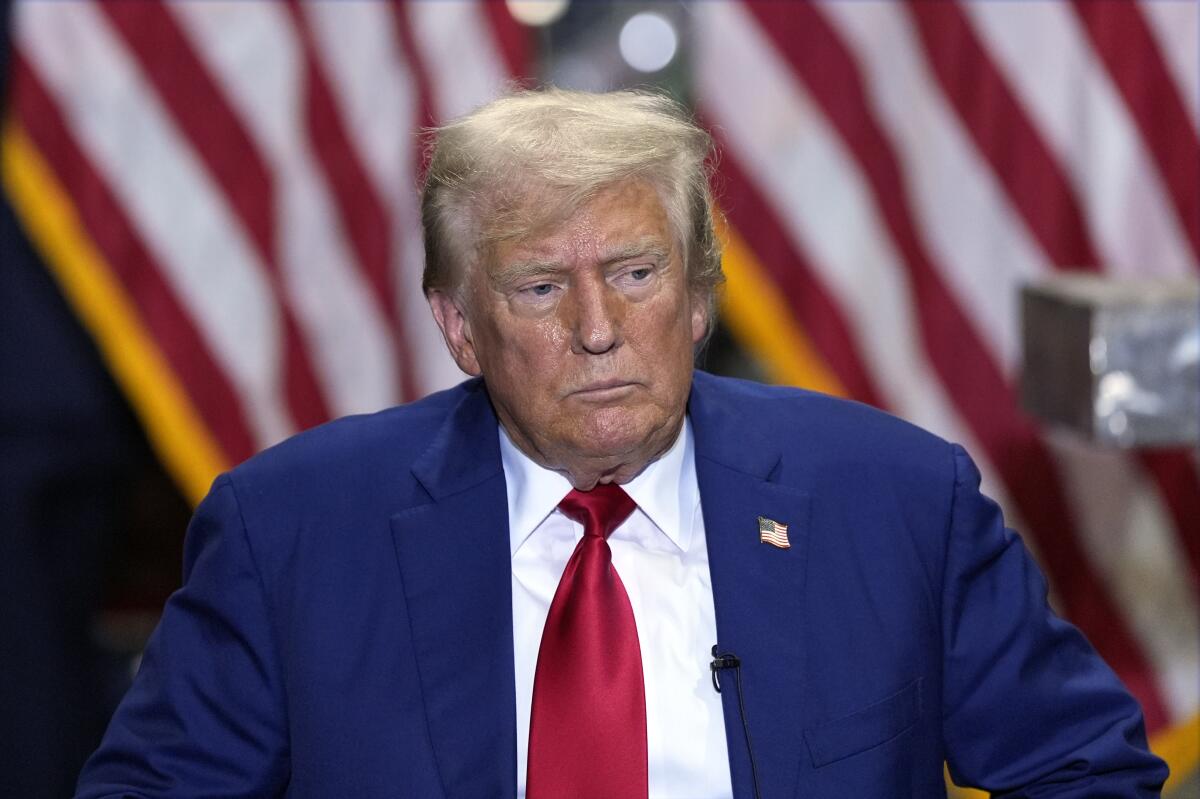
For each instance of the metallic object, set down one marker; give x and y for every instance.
(1117, 361)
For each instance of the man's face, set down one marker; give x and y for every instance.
(584, 334)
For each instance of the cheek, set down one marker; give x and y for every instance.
(527, 355)
(551, 337)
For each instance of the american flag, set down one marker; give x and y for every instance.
(772, 532)
(225, 193)
(892, 172)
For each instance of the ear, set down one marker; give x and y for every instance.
(699, 319)
(456, 330)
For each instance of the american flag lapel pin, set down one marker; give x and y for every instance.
(773, 533)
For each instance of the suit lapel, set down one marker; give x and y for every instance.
(454, 562)
(758, 589)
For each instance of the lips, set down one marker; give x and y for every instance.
(604, 389)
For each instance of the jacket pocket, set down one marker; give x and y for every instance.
(866, 728)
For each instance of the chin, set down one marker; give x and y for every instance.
(617, 432)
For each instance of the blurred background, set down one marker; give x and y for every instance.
(210, 240)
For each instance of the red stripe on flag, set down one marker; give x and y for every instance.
(424, 116)
(217, 135)
(363, 214)
(820, 316)
(1003, 134)
(1123, 39)
(1178, 483)
(964, 365)
(512, 38)
(111, 231)
(427, 116)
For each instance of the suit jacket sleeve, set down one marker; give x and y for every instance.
(206, 713)
(1029, 708)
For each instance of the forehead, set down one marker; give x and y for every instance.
(620, 218)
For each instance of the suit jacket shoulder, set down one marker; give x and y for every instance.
(905, 626)
(798, 421)
(368, 451)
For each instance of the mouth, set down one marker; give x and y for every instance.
(604, 390)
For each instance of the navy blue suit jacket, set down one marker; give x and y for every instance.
(345, 626)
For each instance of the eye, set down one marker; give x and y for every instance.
(541, 289)
(634, 276)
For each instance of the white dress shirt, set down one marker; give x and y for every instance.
(661, 556)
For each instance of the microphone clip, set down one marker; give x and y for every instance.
(720, 662)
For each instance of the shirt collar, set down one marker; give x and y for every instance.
(666, 490)
(533, 491)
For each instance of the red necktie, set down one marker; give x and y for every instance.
(587, 726)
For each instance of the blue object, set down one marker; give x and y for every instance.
(345, 625)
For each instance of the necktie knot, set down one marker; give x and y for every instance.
(600, 510)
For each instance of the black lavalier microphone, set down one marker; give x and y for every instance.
(723, 661)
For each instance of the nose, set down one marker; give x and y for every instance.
(597, 314)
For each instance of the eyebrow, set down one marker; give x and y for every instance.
(652, 247)
(522, 270)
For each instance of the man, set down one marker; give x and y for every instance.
(454, 598)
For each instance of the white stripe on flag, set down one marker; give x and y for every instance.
(457, 45)
(1176, 28)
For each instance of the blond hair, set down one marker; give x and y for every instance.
(533, 157)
